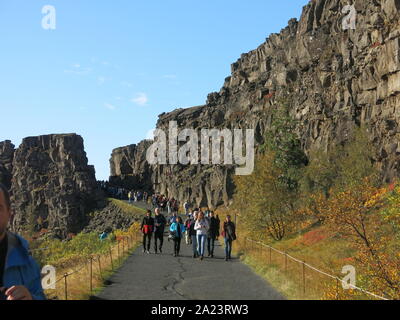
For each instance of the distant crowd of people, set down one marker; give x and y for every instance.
(200, 229)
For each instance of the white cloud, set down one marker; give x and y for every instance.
(141, 99)
(170, 76)
(109, 106)
(77, 69)
(101, 80)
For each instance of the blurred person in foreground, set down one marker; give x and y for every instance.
(20, 277)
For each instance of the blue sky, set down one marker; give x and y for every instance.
(111, 67)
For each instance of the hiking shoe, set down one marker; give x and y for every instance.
(160, 250)
(148, 252)
(201, 258)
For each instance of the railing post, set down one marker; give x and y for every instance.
(304, 278)
(65, 286)
(285, 262)
(101, 274)
(91, 274)
(337, 288)
(270, 255)
(112, 264)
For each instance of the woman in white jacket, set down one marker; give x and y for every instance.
(201, 228)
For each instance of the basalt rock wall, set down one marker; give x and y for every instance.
(332, 78)
(6, 158)
(53, 187)
(129, 168)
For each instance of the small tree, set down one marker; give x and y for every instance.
(281, 138)
(263, 200)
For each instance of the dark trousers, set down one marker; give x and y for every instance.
(228, 248)
(158, 236)
(210, 246)
(146, 241)
(177, 245)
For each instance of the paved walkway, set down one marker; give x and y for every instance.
(164, 277)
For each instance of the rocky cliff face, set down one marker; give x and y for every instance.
(6, 158)
(332, 79)
(53, 186)
(129, 167)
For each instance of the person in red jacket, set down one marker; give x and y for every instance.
(147, 228)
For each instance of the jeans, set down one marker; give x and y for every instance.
(228, 248)
(146, 244)
(210, 246)
(194, 244)
(201, 242)
(158, 236)
(177, 245)
(187, 238)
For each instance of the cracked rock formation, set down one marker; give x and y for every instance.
(129, 168)
(53, 186)
(332, 80)
(6, 158)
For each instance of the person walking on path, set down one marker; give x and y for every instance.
(186, 207)
(219, 225)
(212, 234)
(173, 218)
(229, 234)
(147, 228)
(159, 226)
(177, 229)
(193, 233)
(188, 238)
(201, 227)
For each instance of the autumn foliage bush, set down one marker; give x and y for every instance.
(339, 189)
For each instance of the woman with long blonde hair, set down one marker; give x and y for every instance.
(201, 228)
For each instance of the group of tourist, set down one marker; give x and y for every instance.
(165, 204)
(201, 230)
(137, 196)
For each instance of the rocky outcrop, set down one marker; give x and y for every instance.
(332, 79)
(53, 186)
(129, 167)
(111, 217)
(6, 158)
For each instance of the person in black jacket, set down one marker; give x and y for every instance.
(159, 226)
(229, 234)
(212, 234)
(147, 228)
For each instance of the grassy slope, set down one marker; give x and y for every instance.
(315, 245)
(127, 208)
(71, 256)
